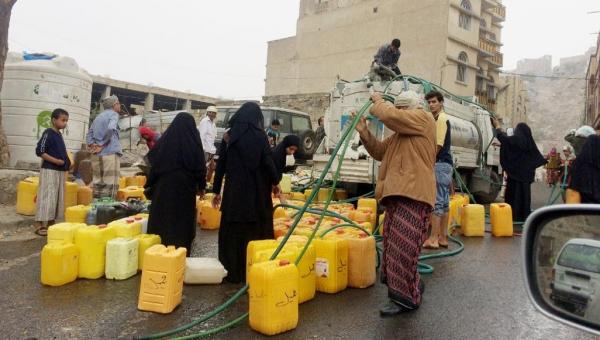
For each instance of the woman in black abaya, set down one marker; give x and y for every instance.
(288, 146)
(247, 209)
(177, 173)
(519, 157)
(585, 176)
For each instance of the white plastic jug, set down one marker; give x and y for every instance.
(203, 270)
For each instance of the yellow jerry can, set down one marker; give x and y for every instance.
(307, 194)
(145, 241)
(473, 220)
(209, 217)
(59, 263)
(122, 182)
(121, 258)
(136, 181)
(307, 280)
(361, 261)
(63, 232)
(85, 195)
(341, 194)
(297, 196)
(367, 203)
(161, 285)
(130, 192)
(572, 197)
(324, 194)
(273, 297)
(279, 213)
(27, 196)
(255, 246)
(71, 189)
(331, 265)
(501, 219)
(127, 227)
(76, 213)
(286, 184)
(91, 243)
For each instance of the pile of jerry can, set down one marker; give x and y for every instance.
(27, 190)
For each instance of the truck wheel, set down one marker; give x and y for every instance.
(490, 197)
(307, 144)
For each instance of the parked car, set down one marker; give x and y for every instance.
(292, 122)
(576, 273)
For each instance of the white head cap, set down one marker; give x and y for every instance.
(211, 109)
(407, 98)
(585, 131)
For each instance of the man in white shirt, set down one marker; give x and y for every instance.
(208, 133)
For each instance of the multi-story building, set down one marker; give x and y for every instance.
(453, 43)
(592, 103)
(512, 100)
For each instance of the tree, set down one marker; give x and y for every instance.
(5, 11)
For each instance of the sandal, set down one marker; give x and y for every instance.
(443, 244)
(42, 231)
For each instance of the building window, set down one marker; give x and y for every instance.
(492, 36)
(482, 23)
(461, 75)
(464, 19)
(491, 90)
(480, 83)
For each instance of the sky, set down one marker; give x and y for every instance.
(219, 48)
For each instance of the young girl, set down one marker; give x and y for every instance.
(51, 190)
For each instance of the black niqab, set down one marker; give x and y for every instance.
(179, 147)
(585, 176)
(247, 129)
(519, 155)
(280, 151)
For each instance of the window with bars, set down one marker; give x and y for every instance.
(461, 74)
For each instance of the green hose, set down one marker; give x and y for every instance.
(216, 330)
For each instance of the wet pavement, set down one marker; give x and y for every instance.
(478, 294)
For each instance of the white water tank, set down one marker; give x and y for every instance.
(31, 90)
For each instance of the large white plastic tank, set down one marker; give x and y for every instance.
(31, 90)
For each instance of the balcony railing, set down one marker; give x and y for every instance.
(499, 11)
(498, 59)
(487, 46)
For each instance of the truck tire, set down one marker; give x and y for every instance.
(308, 144)
(490, 197)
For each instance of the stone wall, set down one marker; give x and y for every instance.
(314, 104)
(8, 184)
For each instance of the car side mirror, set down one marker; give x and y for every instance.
(561, 257)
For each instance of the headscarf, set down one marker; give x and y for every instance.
(280, 151)
(179, 147)
(585, 176)
(246, 130)
(520, 156)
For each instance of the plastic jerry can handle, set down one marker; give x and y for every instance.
(170, 249)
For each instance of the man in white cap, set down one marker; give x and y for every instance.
(208, 133)
(103, 143)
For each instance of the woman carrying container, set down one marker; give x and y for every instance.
(177, 174)
(250, 175)
(406, 187)
(519, 157)
(585, 177)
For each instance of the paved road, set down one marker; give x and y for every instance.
(478, 294)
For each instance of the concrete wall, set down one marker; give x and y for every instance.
(341, 40)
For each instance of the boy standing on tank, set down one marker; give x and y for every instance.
(51, 189)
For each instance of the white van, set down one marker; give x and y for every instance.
(576, 274)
